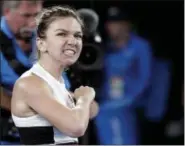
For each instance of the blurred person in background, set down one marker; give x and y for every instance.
(17, 46)
(17, 29)
(128, 63)
(128, 57)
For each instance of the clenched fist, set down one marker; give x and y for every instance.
(85, 92)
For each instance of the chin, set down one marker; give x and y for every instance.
(68, 63)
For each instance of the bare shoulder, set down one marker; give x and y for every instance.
(30, 85)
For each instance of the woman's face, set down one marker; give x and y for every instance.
(64, 40)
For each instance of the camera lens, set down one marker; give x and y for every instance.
(88, 55)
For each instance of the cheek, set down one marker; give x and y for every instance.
(80, 45)
(19, 20)
(117, 29)
(54, 45)
(79, 51)
(113, 30)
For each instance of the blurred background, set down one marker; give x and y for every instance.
(133, 57)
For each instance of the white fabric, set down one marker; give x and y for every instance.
(60, 93)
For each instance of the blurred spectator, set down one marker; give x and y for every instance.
(128, 63)
(17, 46)
(128, 60)
(17, 29)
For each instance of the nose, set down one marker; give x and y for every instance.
(71, 40)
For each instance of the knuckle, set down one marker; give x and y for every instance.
(81, 87)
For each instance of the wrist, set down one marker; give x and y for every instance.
(83, 100)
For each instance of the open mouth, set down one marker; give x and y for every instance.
(69, 52)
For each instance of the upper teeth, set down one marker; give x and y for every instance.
(69, 52)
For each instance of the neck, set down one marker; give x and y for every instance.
(52, 67)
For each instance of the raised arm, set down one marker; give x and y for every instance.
(94, 107)
(72, 122)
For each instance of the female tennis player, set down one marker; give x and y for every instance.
(42, 109)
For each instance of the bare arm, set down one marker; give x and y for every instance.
(72, 122)
(94, 107)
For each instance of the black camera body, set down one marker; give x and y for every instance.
(87, 71)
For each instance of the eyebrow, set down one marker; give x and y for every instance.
(67, 30)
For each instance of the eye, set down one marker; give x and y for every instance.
(62, 34)
(78, 36)
(26, 15)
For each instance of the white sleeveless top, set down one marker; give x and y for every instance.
(60, 93)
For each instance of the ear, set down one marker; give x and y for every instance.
(41, 45)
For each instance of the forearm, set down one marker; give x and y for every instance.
(82, 110)
(94, 109)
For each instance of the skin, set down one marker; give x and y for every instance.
(118, 31)
(94, 108)
(63, 33)
(21, 21)
(61, 36)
